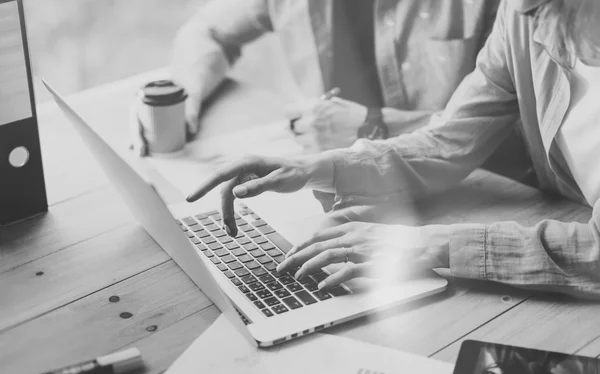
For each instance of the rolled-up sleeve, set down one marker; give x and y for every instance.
(478, 117)
(212, 40)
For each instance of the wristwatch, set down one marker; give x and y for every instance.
(374, 128)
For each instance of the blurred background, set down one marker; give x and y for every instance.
(84, 43)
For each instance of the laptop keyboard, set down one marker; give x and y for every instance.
(250, 260)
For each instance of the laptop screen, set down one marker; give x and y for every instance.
(15, 97)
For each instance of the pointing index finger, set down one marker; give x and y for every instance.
(223, 175)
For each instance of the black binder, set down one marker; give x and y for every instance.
(22, 189)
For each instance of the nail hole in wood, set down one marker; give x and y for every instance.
(506, 299)
(39, 273)
(114, 299)
(126, 315)
(152, 328)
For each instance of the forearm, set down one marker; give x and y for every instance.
(405, 121)
(551, 256)
(211, 41)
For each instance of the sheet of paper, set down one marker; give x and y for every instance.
(15, 103)
(221, 349)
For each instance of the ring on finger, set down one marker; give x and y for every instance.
(346, 253)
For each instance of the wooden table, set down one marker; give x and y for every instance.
(86, 279)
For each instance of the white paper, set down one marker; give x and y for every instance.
(221, 349)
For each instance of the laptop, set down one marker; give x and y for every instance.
(238, 274)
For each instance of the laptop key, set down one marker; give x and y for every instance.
(189, 221)
(260, 240)
(209, 240)
(202, 233)
(195, 240)
(231, 246)
(215, 246)
(305, 297)
(251, 296)
(259, 304)
(319, 276)
(236, 281)
(277, 274)
(259, 272)
(270, 266)
(240, 222)
(269, 247)
(267, 312)
(190, 234)
(220, 252)
(219, 233)
(250, 247)
(253, 234)
(338, 291)
(280, 242)
(272, 301)
(242, 272)
(266, 230)
(197, 228)
(215, 260)
(294, 287)
(235, 265)
(229, 274)
(212, 227)
(256, 286)
(245, 258)
(226, 240)
(264, 260)
(280, 309)
(243, 240)
(282, 293)
(279, 259)
(201, 247)
(274, 286)
(208, 254)
(311, 286)
(263, 294)
(246, 228)
(273, 252)
(202, 216)
(206, 221)
(267, 278)
(238, 252)
(321, 295)
(286, 279)
(252, 265)
(259, 223)
(249, 279)
(222, 267)
(292, 302)
(227, 259)
(256, 253)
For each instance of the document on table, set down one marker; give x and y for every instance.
(221, 349)
(15, 103)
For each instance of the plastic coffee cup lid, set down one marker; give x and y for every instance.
(162, 93)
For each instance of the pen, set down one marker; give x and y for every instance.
(114, 363)
(326, 96)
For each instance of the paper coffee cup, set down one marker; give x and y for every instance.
(161, 113)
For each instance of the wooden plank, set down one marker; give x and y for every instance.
(156, 299)
(56, 280)
(430, 324)
(163, 347)
(548, 322)
(63, 226)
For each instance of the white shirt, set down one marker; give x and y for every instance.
(579, 136)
